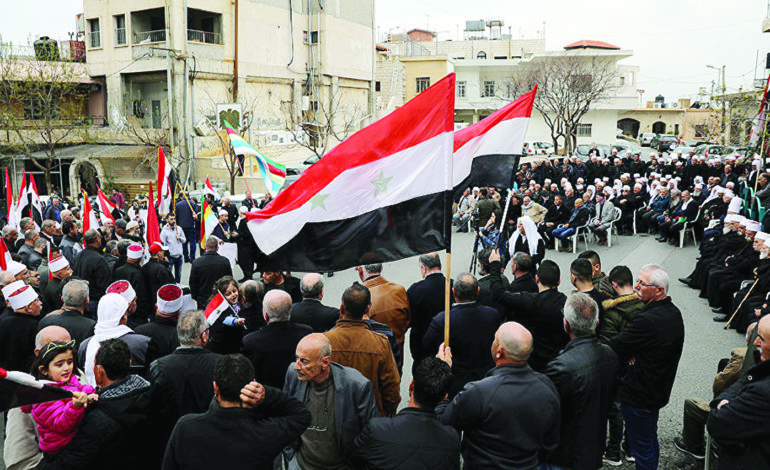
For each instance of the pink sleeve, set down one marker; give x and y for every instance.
(58, 416)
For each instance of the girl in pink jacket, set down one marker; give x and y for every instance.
(58, 421)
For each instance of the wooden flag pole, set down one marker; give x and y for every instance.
(243, 174)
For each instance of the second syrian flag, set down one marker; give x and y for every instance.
(487, 153)
(215, 308)
(380, 195)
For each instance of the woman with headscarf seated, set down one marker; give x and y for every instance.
(527, 239)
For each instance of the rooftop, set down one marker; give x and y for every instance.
(588, 44)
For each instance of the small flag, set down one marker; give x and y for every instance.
(151, 227)
(21, 204)
(759, 127)
(36, 204)
(11, 208)
(89, 216)
(273, 173)
(164, 184)
(208, 221)
(209, 189)
(216, 308)
(20, 389)
(105, 205)
(5, 255)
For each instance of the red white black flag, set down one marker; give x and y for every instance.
(381, 195)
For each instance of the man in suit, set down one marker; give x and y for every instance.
(206, 271)
(523, 278)
(162, 329)
(471, 332)
(311, 311)
(75, 296)
(684, 212)
(557, 214)
(187, 217)
(390, 304)
(605, 213)
(92, 267)
(272, 348)
(540, 313)
(426, 299)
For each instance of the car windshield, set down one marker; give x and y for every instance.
(667, 137)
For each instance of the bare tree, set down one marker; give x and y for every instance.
(568, 87)
(43, 105)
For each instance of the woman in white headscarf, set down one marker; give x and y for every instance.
(526, 239)
(111, 323)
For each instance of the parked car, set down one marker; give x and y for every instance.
(695, 143)
(646, 138)
(684, 149)
(583, 151)
(537, 148)
(664, 142)
(307, 163)
(622, 147)
(711, 150)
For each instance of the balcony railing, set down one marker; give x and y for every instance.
(147, 37)
(120, 36)
(204, 36)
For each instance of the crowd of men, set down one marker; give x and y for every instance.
(535, 374)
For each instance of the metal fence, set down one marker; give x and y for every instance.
(204, 36)
(147, 37)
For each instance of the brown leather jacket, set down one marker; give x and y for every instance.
(355, 345)
(390, 305)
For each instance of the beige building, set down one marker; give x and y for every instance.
(679, 120)
(281, 70)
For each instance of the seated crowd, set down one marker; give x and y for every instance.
(262, 374)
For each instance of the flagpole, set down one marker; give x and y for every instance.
(243, 174)
(448, 199)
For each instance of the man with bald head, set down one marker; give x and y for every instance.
(500, 432)
(311, 311)
(20, 450)
(272, 348)
(340, 400)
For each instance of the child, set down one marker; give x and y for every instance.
(57, 421)
(227, 332)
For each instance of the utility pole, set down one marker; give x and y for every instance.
(724, 98)
(235, 57)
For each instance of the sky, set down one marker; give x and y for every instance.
(672, 41)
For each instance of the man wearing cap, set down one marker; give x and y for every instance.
(75, 296)
(19, 326)
(111, 323)
(59, 270)
(162, 329)
(131, 271)
(222, 229)
(19, 271)
(132, 232)
(724, 281)
(232, 211)
(125, 290)
(173, 237)
(91, 266)
(155, 271)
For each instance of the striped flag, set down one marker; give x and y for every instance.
(759, 127)
(5, 255)
(151, 226)
(210, 189)
(35, 196)
(488, 152)
(383, 194)
(208, 221)
(21, 204)
(89, 216)
(10, 206)
(273, 173)
(216, 308)
(105, 205)
(20, 389)
(164, 183)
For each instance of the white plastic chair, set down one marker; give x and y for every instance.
(618, 215)
(688, 226)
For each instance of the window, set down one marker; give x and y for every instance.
(423, 83)
(312, 39)
(489, 89)
(501, 57)
(584, 130)
(377, 85)
(622, 81)
(36, 107)
(461, 89)
(93, 28)
(481, 55)
(120, 30)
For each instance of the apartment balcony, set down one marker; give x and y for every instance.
(149, 37)
(204, 37)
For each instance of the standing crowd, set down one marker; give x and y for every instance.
(268, 373)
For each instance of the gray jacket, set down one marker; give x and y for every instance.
(607, 212)
(353, 404)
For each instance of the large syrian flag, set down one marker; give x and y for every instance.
(165, 193)
(488, 152)
(381, 195)
(37, 206)
(23, 201)
(9, 204)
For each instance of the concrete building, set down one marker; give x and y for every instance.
(278, 69)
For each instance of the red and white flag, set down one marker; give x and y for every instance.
(381, 195)
(22, 203)
(209, 189)
(89, 215)
(105, 205)
(35, 196)
(151, 227)
(486, 153)
(216, 308)
(9, 204)
(5, 255)
(164, 184)
(759, 127)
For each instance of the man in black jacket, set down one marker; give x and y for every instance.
(206, 271)
(162, 329)
(523, 278)
(585, 374)
(272, 348)
(471, 333)
(91, 266)
(415, 438)
(236, 433)
(131, 272)
(654, 340)
(500, 432)
(181, 381)
(557, 214)
(75, 296)
(117, 424)
(541, 313)
(739, 416)
(156, 271)
(311, 311)
(426, 299)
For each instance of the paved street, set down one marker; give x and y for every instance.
(706, 342)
